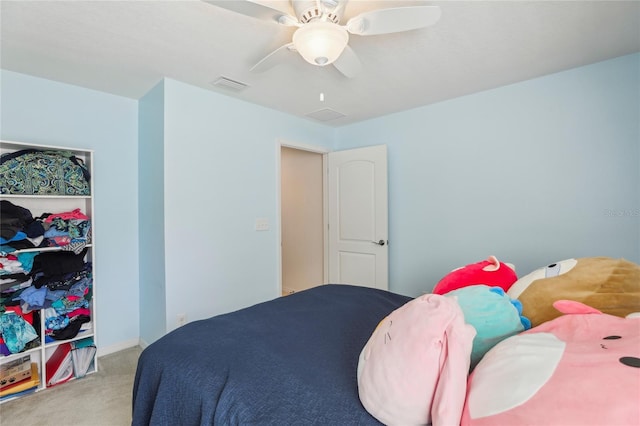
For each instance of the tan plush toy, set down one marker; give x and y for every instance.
(610, 285)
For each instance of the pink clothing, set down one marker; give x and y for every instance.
(79, 311)
(74, 214)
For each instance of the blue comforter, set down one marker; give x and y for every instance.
(289, 361)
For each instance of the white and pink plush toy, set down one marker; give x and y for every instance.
(413, 370)
(582, 368)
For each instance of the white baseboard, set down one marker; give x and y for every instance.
(102, 351)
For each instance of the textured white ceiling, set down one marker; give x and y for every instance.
(126, 47)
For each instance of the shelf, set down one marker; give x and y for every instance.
(80, 336)
(40, 205)
(57, 197)
(7, 358)
(28, 250)
(15, 146)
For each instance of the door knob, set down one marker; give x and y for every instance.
(380, 243)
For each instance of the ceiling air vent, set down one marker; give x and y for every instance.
(229, 84)
(325, 114)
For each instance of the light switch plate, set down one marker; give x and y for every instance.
(262, 224)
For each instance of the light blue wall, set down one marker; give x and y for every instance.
(527, 172)
(151, 214)
(220, 175)
(530, 172)
(41, 111)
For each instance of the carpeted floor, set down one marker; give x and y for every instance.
(101, 399)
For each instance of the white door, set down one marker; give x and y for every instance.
(358, 228)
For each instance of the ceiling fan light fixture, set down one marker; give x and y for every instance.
(320, 43)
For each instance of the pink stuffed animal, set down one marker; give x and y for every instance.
(413, 370)
(490, 272)
(578, 369)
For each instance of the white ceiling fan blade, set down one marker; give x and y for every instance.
(274, 58)
(348, 63)
(394, 20)
(256, 10)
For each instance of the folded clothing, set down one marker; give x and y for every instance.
(56, 263)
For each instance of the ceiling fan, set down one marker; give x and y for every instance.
(320, 38)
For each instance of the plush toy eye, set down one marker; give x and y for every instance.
(630, 361)
(552, 270)
(611, 338)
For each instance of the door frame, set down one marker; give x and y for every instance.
(280, 143)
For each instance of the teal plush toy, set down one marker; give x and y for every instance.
(493, 314)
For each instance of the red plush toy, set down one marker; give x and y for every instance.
(489, 272)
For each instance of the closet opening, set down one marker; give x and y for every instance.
(302, 218)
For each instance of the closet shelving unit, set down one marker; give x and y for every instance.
(39, 204)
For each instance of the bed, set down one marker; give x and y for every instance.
(291, 360)
(349, 355)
